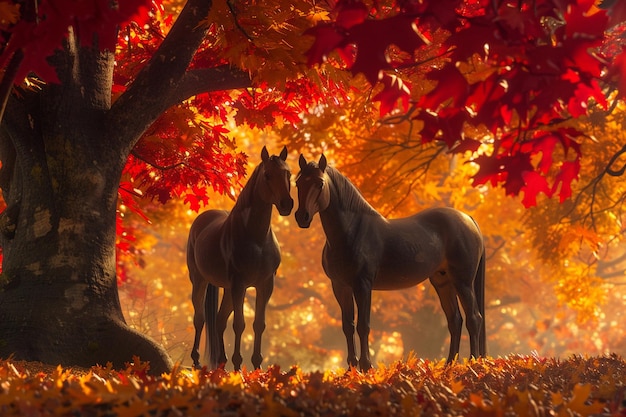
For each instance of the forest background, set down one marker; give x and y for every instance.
(556, 261)
(555, 271)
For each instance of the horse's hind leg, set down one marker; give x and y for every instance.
(474, 320)
(450, 305)
(263, 294)
(345, 298)
(198, 292)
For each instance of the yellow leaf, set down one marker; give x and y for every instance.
(557, 398)
(456, 386)
(579, 402)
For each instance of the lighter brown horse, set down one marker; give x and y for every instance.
(365, 251)
(236, 251)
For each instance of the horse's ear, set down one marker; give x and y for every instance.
(302, 162)
(283, 153)
(265, 155)
(322, 163)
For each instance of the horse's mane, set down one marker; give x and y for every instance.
(351, 198)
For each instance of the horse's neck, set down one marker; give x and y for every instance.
(253, 216)
(336, 224)
(340, 222)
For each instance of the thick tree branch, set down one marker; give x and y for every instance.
(150, 94)
(6, 86)
(206, 80)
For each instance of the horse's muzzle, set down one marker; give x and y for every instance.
(285, 206)
(303, 218)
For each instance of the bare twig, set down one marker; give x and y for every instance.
(231, 7)
(616, 173)
(156, 165)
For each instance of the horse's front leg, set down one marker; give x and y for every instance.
(345, 298)
(363, 298)
(226, 308)
(263, 294)
(239, 324)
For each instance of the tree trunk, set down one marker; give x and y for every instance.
(61, 166)
(60, 302)
(63, 147)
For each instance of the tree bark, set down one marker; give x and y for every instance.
(59, 302)
(61, 168)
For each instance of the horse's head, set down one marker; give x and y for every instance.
(313, 190)
(276, 181)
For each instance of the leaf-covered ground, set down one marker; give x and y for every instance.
(516, 385)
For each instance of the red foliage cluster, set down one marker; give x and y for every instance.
(44, 25)
(543, 65)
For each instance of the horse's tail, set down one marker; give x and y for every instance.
(210, 321)
(479, 291)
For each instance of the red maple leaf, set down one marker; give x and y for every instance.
(563, 182)
(534, 183)
(617, 72)
(447, 125)
(444, 12)
(485, 98)
(451, 86)
(515, 167)
(470, 39)
(394, 89)
(197, 197)
(489, 171)
(350, 13)
(544, 143)
(466, 145)
(583, 22)
(508, 170)
(371, 56)
(327, 39)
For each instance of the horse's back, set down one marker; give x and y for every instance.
(204, 220)
(446, 219)
(460, 237)
(416, 247)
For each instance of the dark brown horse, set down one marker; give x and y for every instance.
(235, 251)
(365, 252)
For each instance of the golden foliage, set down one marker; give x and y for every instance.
(515, 385)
